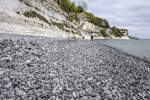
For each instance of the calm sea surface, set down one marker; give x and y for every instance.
(138, 48)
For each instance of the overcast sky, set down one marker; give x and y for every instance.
(131, 14)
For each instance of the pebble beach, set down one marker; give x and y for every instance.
(40, 68)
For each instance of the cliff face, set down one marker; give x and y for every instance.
(48, 8)
(101, 31)
(46, 18)
(34, 17)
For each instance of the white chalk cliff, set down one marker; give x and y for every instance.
(13, 20)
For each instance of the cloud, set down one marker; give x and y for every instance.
(131, 14)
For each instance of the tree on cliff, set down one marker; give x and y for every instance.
(70, 7)
(83, 4)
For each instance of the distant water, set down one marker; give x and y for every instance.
(138, 48)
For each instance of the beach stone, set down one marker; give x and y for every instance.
(69, 69)
(17, 46)
(11, 99)
(17, 54)
(84, 98)
(28, 62)
(8, 85)
(75, 94)
(20, 92)
(11, 94)
(7, 59)
(7, 49)
(6, 79)
(1, 72)
(58, 98)
(57, 89)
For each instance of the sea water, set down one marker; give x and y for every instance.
(138, 48)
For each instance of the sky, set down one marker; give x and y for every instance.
(133, 15)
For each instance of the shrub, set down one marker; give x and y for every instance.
(30, 14)
(116, 32)
(79, 33)
(73, 17)
(80, 9)
(103, 33)
(68, 6)
(96, 20)
(59, 25)
(18, 12)
(83, 4)
(66, 25)
(67, 30)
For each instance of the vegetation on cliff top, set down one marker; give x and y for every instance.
(116, 32)
(96, 20)
(69, 6)
(72, 11)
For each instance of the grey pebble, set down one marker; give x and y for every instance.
(57, 69)
(7, 59)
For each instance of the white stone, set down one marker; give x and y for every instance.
(7, 59)
(75, 94)
(8, 85)
(1, 72)
(20, 92)
(58, 89)
(28, 62)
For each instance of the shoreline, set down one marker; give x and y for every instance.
(136, 57)
(136, 48)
